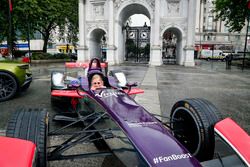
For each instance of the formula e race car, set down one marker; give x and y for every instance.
(109, 118)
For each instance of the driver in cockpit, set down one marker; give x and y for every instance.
(96, 82)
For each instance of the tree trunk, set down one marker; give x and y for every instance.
(45, 39)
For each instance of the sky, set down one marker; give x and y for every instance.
(139, 20)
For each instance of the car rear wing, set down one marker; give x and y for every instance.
(85, 65)
(82, 64)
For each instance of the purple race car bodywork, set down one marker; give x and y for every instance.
(188, 139)
(144, 130)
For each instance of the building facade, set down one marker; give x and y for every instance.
(98, 18)
(212, 34)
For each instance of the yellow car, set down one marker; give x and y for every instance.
(14, 77)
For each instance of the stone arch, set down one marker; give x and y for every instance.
(141, 4)
(110, 15)
(124, 11)
(94, 40)
(180, 34)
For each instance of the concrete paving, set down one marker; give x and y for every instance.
(150, 99)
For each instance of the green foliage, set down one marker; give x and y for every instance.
(3, 20)
(47, 56)
(40, 15)
(19, 53)
(233, 12)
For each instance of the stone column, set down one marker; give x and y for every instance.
(189, 48)
(155, 55)
(111, 47)
(82, 49)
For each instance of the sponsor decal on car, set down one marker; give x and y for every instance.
(108, 94)
(140, 124)
(173, 157)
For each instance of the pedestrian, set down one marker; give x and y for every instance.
(229, 61)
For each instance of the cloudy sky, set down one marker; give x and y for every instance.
(139, 20)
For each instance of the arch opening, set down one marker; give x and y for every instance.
(98, 44)
(131, 41)
(171, 46)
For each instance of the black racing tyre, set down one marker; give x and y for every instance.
(192, 123)
(8, 86)
(32, 125)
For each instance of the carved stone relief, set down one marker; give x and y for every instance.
(100, 24)
(173, 7)
(118, 3)
(98, 10)
(165, 24)
(151, 3)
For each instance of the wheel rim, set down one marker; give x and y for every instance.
(186, 130)
(7, 86)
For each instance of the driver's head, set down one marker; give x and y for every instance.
(96, 82)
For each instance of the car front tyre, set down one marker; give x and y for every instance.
(192, 123)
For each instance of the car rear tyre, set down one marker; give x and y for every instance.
(192, 123)
(32, 125)
(8, 86)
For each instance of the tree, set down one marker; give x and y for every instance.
(6, 31)
(233, 12)
(43, 16)
(3, 20)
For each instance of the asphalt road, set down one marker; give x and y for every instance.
(228, 90)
